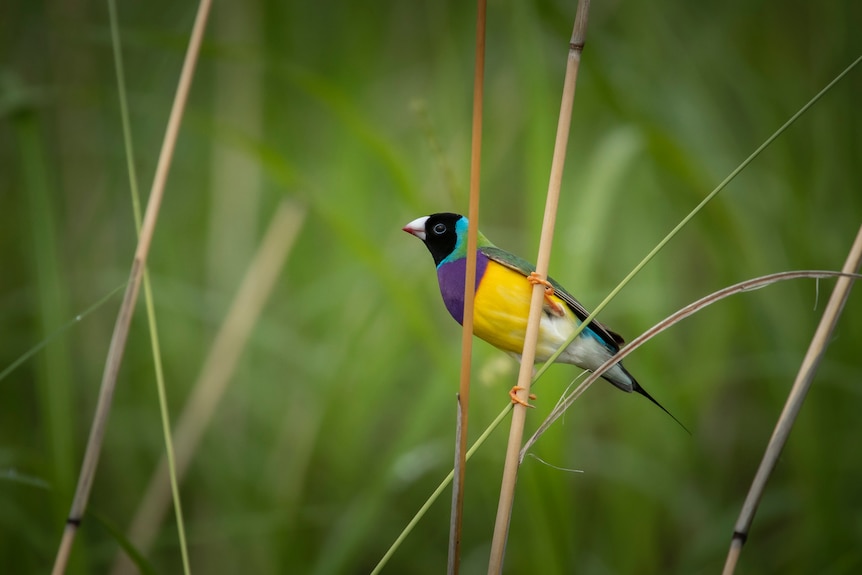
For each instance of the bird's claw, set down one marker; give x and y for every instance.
(535, 279)
(513, 393)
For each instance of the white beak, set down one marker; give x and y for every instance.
(417, 227)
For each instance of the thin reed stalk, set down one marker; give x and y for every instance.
(463, 399)
(793, 405)
(667, 323)
(148, 290)
(519, 415)
(124, 317)
(58, 332)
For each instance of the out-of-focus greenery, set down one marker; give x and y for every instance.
(340, 419)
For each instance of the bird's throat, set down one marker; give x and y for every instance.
(450, 276)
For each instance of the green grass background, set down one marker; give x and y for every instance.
(340, 419)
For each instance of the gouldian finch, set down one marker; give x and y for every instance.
(504, 284)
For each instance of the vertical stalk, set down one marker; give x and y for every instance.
(794, 403)
(124, 317)
(516, 432)
(469, 293)
(148, 290)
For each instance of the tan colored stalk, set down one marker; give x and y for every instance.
(148, 290)
(456, 514)
(124, 317)
(216, 373)
(519, 414)
(667, 323)
(804, 377)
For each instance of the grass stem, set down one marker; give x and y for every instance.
(124, 317)
(525, 375)
(148, 290)
(469, 295)
(793, 405)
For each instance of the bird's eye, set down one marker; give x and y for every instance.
(439, 229)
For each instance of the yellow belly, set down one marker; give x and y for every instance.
(501, 308)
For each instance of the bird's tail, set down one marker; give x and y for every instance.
(636, 387)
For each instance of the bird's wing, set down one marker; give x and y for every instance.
(525, 268)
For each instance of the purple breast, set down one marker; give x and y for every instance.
(450, 276)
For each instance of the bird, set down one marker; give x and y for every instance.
(504, 284)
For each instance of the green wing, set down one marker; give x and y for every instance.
(525, 268)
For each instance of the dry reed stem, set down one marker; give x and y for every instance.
(463, 399)
(217, 370)
(148, 290)
(519, 414)
(453, 562)
(667, 323)
(124, 317)
(804, 377)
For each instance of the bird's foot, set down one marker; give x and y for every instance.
(535, 279)
(513, 393)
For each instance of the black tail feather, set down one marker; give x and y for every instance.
(633, 385)
(638, 389)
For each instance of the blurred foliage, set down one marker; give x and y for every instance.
(339, 421)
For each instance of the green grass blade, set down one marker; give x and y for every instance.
(58, 332)
(148, 291)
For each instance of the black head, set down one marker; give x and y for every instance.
(442, 233)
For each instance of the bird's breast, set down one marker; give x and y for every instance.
(501, 309)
